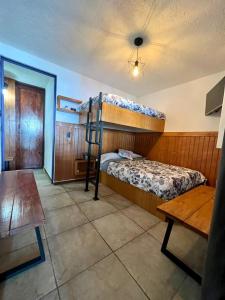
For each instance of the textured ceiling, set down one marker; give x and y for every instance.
(185, 39)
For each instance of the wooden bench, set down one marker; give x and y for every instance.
(193, 210)
(20, 209)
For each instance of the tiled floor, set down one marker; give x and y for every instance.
(106, 249)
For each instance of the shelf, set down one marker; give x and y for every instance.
(68, 111)
(67, 99)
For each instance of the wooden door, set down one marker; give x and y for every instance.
(30, 126)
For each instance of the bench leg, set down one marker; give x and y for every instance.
(29, 264)
(175, 259)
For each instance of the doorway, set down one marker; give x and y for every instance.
(29, 127)
(28, 117)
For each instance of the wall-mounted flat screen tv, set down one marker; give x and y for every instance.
(214, 98)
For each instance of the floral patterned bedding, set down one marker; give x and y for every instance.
(125, 103)
(165, 181)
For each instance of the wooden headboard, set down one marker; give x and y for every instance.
(195, 150)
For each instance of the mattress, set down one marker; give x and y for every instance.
(165, 181)
(127, 104)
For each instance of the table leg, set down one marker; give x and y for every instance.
(29, 264)
(174, 258)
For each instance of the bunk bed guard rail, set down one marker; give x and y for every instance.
(94, 126)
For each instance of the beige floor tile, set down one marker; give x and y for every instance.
(51, 296)
(185, 244)
(75, 185)
(107, 279)
(40, 175)
(20, 240)
(117, 229)
(75, 250)
(156, 274)
(39, 172)
(81, 196)
(189, 290)
(43, 182)
(56, 201)
(96, 209)
(50, 190)
(17, 257)
(17, 241)
(118, 201)
(140, 216)
(104, 190)
(59, 220)
(31, 284)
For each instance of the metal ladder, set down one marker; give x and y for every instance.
(94, 128)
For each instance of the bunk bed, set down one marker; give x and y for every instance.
(114, 112)
(139, 180)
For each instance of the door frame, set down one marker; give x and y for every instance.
(16, 97)
(6, 59)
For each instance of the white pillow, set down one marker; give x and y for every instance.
(108, 156)
(135, 155)
(125, 154)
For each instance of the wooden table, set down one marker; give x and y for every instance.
(192, 209)
(20, 209)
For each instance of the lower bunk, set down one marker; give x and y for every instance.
(147, 183)
(146, 200)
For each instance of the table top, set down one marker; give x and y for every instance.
(193, 209)
(20, 205)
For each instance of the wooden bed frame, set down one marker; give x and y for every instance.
(146, 200)
(115, 117)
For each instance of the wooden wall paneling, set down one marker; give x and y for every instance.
(64, 151)
(195, 150)
(69, 149)
(192, 150)
(113, 140)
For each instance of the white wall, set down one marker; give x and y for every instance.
(69, 83)
(49, 128)
(184, 105)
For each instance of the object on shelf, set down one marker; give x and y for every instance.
(66, 104)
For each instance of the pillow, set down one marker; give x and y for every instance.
(125, 154)
(135, 155)
(108, 156)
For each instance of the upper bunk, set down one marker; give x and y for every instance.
(119, 113)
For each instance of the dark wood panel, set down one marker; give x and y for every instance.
(10, 123)
(20, 205)
(30, 127)
(195, 150)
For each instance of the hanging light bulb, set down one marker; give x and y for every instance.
(135, 69)
(136, 65)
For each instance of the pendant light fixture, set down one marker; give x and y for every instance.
(136, 65)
